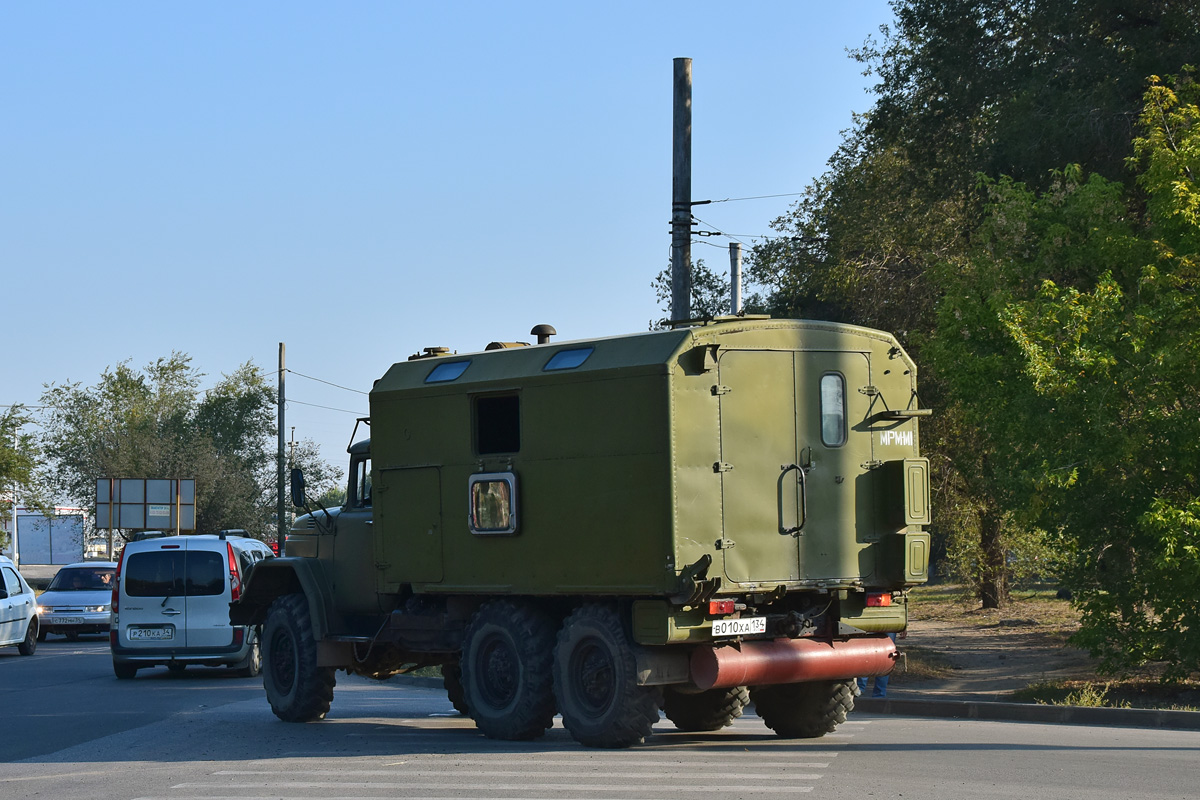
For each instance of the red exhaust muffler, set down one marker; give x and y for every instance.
(791, 661)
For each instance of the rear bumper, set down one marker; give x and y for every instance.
(153, 656)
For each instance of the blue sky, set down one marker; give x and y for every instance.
(363, 180)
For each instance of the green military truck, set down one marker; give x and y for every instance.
(679, 521)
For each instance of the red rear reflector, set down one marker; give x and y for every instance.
(878, 600)
(720, 607)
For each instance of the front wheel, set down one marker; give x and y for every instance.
(298, 689)
(595, 681)
(804, 710)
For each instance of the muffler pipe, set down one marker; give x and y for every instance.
(791, 661)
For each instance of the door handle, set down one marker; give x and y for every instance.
(799, 528)
(170, 612)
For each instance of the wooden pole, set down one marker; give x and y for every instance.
(681, 194)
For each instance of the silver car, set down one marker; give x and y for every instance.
(78, 600)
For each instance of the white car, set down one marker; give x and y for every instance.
(172, 601)
(78, 600)
(18, 610)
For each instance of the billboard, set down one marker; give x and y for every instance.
(146, 504)
(55, 539)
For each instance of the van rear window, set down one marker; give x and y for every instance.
(175, 572)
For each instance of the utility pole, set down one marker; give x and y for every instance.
(281, 460)
(681, 194)
(735, 277)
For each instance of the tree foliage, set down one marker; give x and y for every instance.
(18, 461)
(1070, 338)
(968, 88)
(157, 423)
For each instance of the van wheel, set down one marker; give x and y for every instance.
(804, 710)
(252, 666)
(298, 690)
(124, 672)
(704, 711)
(452, 682)
(595, 681)
(29, 646)
(507, 650)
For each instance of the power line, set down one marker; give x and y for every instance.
(327, 383)
(756, 197)
(327, 408)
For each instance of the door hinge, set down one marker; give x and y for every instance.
(725, 544)
(722, 466)
(869, 391)
(719, 390)
(871, 464)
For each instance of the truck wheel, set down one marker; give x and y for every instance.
(704, 711)
(506, 678)
(804, 710)
(595, 681)
(298, 690)
(452, 681)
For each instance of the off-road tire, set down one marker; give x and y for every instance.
(595, 681)
(804, 710)
(29, 646)
(124, 672)
(505, 669)
(298, 690)
(704, 711)
(251, 666)
(452, 682)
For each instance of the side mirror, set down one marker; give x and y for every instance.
(298, 499)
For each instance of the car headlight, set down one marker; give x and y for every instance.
(44, 609)
(97, 609)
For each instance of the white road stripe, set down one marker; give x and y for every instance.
(468, 770)
(697, 788)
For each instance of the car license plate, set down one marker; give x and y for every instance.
(66, 620)
(739, 627)
(151, 633)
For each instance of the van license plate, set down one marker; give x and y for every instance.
(151, 633)
(739, 627)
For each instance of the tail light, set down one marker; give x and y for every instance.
(116, 590)
(716, 607)
(878, 599)
(235, 577)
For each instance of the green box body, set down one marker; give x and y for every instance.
(616, 473)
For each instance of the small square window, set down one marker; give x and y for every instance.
(493, 503)
(497, 424)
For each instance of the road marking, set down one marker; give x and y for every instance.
(515, 773)
(697, 788)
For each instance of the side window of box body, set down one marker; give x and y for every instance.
(833, 409)
(492, 503)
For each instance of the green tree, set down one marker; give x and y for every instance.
(1071, 340)
(156, 422)
(18, 461)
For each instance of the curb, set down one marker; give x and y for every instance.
(1029, 712)
(984, 710)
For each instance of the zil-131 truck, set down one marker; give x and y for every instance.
(675, 522)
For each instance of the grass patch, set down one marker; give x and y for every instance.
(1025, 608)
(921, 664)
(1120, 693)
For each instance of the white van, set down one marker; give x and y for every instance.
(170, 604)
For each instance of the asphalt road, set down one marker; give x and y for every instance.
(205, 735)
